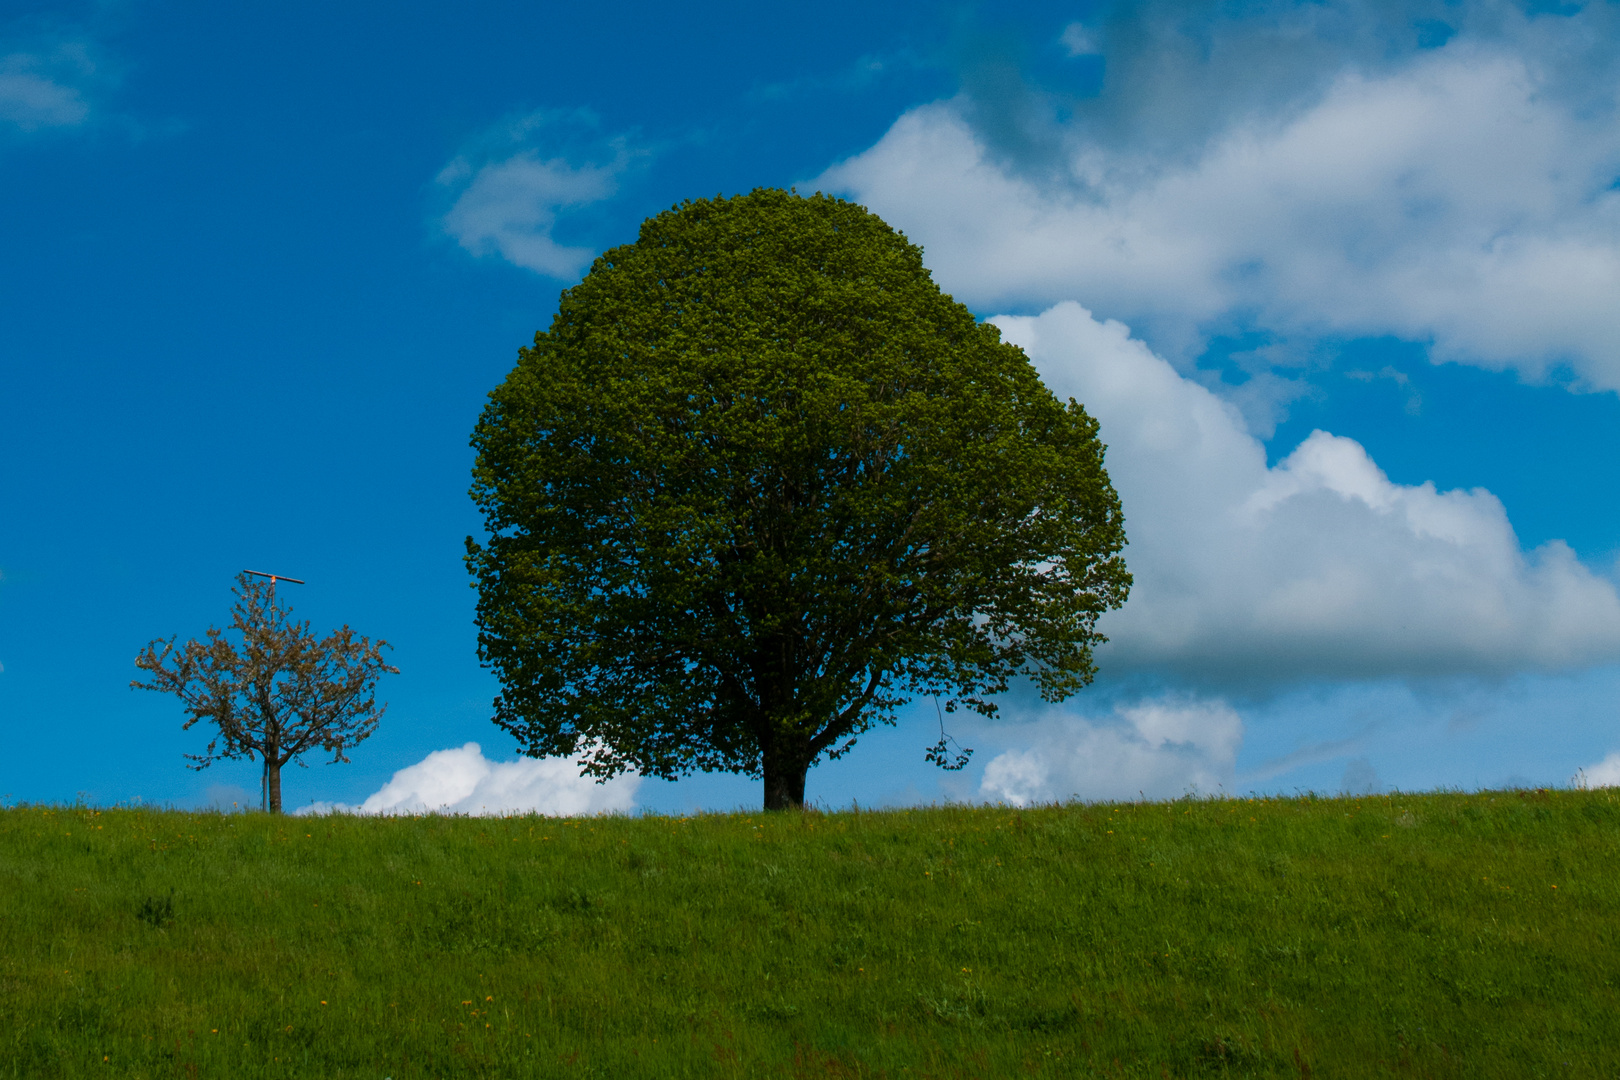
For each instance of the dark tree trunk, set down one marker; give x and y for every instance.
(784, 784)
(272, 781)
(785, 751)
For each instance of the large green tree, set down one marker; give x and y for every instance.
(759, 484)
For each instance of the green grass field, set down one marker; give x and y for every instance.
(1447, 935)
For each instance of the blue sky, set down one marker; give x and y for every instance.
(1341, 281)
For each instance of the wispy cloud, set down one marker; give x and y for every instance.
(463, 781)
(510, 188)
(1325, 750)
(858, 76)
(42, 90)
(1078, 40)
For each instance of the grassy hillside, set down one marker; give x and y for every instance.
(1438, 935)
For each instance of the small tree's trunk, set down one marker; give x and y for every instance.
(272, 777)
(784, 783)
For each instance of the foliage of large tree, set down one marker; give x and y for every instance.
(280, 695)
(760, 483)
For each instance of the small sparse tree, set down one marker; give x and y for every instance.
(279, 696)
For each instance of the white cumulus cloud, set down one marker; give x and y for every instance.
(1605, 773)
(1458, 196)
(1318, 566)
(463, 781)
(1157, 749)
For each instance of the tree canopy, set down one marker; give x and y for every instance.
(761, 483)
(281, 695)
